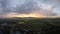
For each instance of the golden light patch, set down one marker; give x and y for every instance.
(36, 15)
(33, 14)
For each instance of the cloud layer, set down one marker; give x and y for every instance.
(44, 7)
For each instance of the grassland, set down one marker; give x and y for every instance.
(31, 23)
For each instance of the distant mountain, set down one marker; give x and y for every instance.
(23, 17)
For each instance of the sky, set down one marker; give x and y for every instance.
(29, 8)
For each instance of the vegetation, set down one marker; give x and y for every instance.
(42, 25)
(33, 23)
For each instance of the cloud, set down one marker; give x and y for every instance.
(43, 7)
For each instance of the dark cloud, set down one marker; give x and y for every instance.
(28, 7)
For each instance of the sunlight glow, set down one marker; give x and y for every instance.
(36, 15)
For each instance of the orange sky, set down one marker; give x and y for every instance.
(25, 15)
(36, 15)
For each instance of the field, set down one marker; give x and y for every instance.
(34, 23)
(20, 24)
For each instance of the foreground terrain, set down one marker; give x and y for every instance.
(30, 25)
